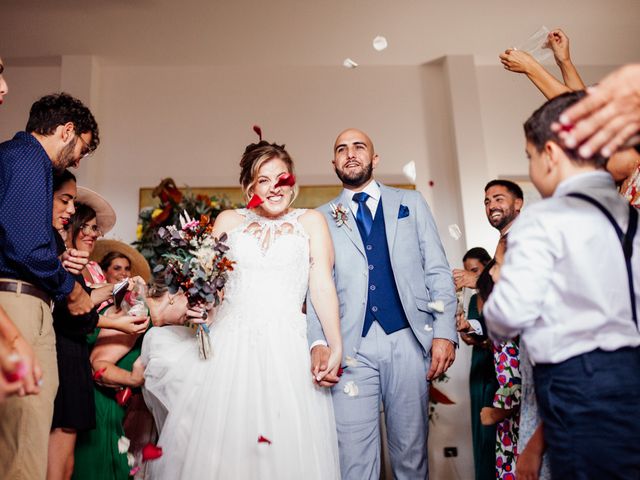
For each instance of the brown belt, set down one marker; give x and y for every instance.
(24, 289)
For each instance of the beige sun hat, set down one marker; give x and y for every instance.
(139, 265)
(105, 214)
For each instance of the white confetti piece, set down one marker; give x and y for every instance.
(349, 63)
(351, 389)
(437, 306)
(454, 231)
(131, 460)
(409, 171)
(123, 444)
(350, 361)
(380, 43)
(428, 328)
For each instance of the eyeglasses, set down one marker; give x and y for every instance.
(87, 149)
(87, 229)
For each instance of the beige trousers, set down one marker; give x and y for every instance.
(25, 422)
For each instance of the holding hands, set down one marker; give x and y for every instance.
(325, 364)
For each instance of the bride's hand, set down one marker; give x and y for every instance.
(326, 364)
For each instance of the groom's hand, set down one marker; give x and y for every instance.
(319, 361)
(443, 354)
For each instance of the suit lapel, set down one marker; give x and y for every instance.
(350, 228)
(391, 204)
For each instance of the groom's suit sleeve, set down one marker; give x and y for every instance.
(438, 277)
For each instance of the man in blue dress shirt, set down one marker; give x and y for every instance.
(60, 132)
(570, 285)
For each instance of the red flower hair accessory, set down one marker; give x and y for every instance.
(258, 131)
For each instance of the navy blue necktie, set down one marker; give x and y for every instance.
(363, 217)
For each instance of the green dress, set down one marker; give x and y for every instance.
(96, 454)
(482, 385)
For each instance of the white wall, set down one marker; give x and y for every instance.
(26, 84)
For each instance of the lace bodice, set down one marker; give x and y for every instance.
(271, 274)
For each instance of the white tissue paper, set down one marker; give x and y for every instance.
(537, 45)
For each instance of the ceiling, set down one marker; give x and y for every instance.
(310, 33)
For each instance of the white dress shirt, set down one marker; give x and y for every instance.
(564, 284)
(373, 189)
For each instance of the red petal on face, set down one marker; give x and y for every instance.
(151, 452)
(123, 396)
(286, 180)
(97, 375)
(255, 201)
(262, 439)
(258, 131)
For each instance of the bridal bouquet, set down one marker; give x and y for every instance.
(195, 261)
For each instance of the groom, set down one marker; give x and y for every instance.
(389, 265)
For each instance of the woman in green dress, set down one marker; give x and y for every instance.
(482, 377)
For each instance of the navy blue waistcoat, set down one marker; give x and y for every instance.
(383, 302)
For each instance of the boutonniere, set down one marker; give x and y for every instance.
(340, 215)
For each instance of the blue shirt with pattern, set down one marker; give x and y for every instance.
(27, 245)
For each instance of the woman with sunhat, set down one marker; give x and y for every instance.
(74, 409)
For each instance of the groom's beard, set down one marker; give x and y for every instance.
(358, 178)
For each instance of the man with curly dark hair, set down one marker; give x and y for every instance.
(60, 132)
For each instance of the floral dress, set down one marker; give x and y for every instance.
(631, 188)
(506, 358)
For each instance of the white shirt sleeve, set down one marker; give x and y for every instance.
(518, 297)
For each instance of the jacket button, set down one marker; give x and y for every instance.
(370, 267)
(369, 247)
(372, 288)
(374, 309)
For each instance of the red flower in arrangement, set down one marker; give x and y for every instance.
(123, 395)
(262, 439)
(97, 375)
(151, 452)
(255, 201)
(225, 264)
(286, 180)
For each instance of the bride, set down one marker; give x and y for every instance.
(253, 410)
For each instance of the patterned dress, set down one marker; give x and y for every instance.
(631, 188)
(506, 357)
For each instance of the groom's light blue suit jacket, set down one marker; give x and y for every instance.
(420, 269)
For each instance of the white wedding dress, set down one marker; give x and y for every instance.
(257, 383)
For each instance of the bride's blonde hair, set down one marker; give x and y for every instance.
(255, 156)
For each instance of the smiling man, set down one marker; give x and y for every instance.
(60, 132)
(389, 264)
